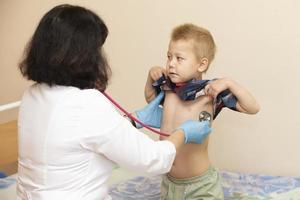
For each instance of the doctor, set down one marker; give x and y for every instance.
(70, 135)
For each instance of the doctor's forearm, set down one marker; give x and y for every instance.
(177, 138)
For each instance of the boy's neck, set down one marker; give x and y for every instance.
(183, 83)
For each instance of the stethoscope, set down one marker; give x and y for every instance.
(203, 116)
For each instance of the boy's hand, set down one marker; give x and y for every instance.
(152, 113)
(216, 87)
(246, 103)
(195, 131)
(156, 72)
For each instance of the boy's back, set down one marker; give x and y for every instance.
(192, 160)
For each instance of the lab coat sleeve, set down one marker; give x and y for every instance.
(110, 134)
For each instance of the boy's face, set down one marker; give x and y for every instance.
(182, 63)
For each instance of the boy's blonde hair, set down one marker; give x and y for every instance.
(202, 40)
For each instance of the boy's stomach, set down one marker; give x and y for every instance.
(191, 159)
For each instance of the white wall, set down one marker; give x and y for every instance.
(258, 42)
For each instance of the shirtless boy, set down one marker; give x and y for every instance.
(191, 50)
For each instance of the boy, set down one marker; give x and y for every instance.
(191, 50)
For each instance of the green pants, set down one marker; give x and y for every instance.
(207, 186)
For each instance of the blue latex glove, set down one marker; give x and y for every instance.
(152, 113)
(195, 131)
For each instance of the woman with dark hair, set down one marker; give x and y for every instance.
(70, 136)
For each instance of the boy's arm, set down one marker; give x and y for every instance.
(149, 90)
(154, 74)
(246, 103)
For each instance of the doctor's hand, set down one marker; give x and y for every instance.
(152, 113)
(195, 131)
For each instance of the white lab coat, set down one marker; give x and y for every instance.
(70, 140)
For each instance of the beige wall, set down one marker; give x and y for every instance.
(258, 45)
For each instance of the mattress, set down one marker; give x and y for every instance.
(236, 186)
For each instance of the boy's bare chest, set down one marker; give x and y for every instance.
(177, 111)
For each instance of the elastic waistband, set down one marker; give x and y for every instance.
(194, 179)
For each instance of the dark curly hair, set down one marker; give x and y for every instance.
(66, 49)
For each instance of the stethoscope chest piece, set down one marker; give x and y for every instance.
(205, 116)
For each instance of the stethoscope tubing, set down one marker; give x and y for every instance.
(129, 115)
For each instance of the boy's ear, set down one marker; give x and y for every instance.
(203, 65)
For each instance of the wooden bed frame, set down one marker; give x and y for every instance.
(9, 147)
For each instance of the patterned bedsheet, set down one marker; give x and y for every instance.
(236, 186)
